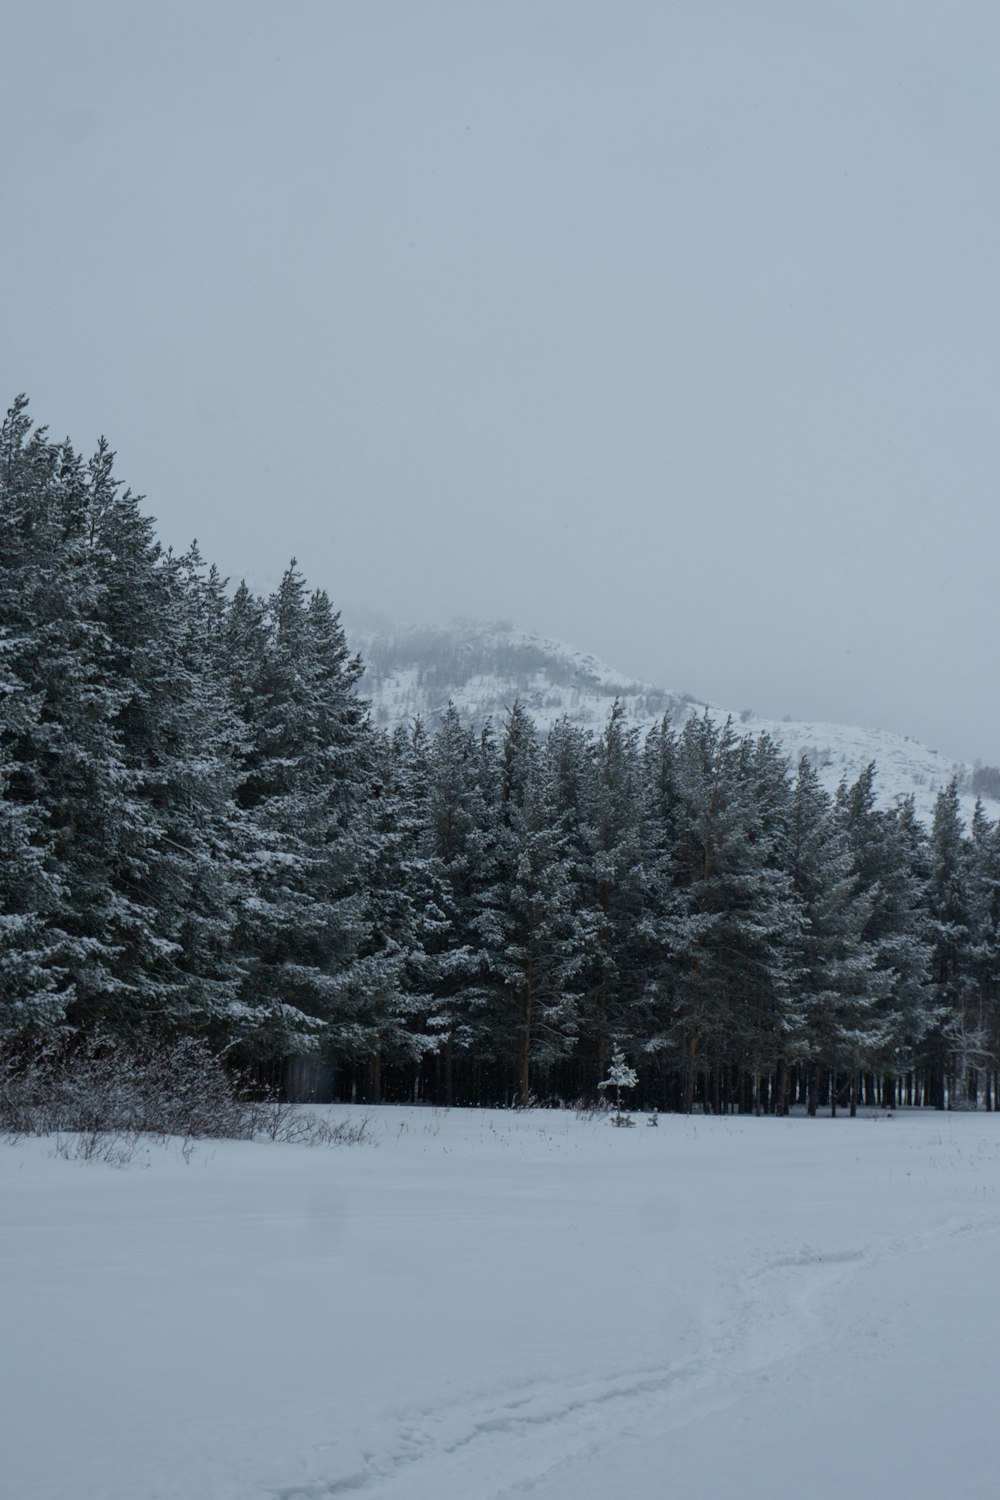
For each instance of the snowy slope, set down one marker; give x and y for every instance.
(483, 669)
(488, 1304)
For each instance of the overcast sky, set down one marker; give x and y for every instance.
(667, 329)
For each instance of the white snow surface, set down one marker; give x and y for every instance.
(413, 673)
(483, 1305)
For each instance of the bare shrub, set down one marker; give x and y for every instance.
(588, 1105)
(101, 1097)
(99, 1085)
(118, 1148)
(344, 1133)
(277, 1120)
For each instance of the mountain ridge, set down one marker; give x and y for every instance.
(414, 672)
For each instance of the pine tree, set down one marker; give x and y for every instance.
(620, 1076)
(951, 935)
(190, 786)
(735, 914)
(177, 740)
(391, 970)
(889, 860)
(665, 901)
(460, 867)
(527, 922)
(984, 955)
(65, 756)
(837, 1025)
(610, 876)
(306, 771)
(34, 988)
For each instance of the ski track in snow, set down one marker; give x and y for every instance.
(495, 1450)
(559, 1415)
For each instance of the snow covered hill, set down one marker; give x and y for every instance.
(414, 672)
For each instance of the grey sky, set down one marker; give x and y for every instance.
(668, 329)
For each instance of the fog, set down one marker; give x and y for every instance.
(668, 331)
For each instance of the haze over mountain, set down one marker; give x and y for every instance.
(414, 672)
(669, 330)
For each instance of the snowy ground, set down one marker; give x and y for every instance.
(487, 1305)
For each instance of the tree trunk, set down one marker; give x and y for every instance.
(524, 1060)
(448, 1084)
(602, 1039)
(781, 1089)
(692, 1050)
(717, 1081)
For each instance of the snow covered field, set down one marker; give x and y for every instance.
(486, 1304)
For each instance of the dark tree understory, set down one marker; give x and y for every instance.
(202, 835)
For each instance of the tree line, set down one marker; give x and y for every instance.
(202, 834)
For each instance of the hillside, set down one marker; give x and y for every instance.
(414, 672)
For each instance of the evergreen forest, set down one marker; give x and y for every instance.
(202, 834)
